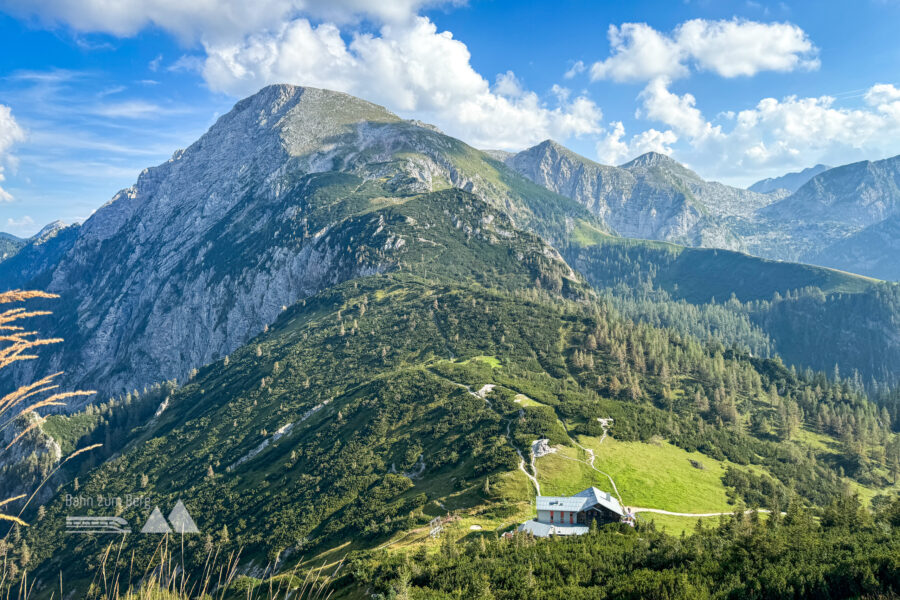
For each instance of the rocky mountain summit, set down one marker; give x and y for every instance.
(826, 221)
(274, 203)
(651, 197)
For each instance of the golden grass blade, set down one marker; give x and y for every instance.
(21, 295)
(13, 499)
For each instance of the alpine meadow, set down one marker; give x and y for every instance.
(388, 328)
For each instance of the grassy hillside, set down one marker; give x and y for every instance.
(350, 420)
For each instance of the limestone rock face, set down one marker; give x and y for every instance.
(839, 217)
(651, 197)
(206, 249)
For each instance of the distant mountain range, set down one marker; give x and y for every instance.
(823, 222)
(651, 197)
(789, 181)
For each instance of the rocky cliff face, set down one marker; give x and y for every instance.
(874, 250)
(859, 194)
(651, 197)
(839, 218)
(843, 218)
(264, 209)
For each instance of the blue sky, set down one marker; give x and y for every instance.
(90, 95)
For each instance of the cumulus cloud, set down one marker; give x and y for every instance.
(769, 138)
(640, 53)
(781, 129)
(411, 68)
(204, 19)
(729, 48)
(678, 112)
(10, 133)
(775, 135)
(734, 48)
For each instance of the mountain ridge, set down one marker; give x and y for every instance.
(789, 181)
(262, 210)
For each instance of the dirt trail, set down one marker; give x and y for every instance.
(532, 478)
(637, 509)
(482, 394)
(604, 424)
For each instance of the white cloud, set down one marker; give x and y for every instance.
(207, 20)
(734, 48)
(613, 148)
(639, 53)
(728, 48)
(507, 84)
(408, 65)
(794, 126)
(18, 225)
(576, 68)
(10, 133)
(776, 136)
(773, 137)
(678, 112)
(411, 68)
(882, 92)
(130, 109)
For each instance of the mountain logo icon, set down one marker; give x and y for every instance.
(180, 520)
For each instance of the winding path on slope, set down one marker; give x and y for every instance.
(482, 394)
(604, 424)
(636, 509)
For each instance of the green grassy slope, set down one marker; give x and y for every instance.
(370, 374)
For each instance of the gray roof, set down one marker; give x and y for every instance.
(580, 501)
(568, 503)
(544, 530)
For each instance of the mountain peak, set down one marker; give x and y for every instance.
(49, 230)
(652, 159)
(304, 116)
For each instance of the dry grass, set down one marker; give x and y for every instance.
(18, 344)
(165, 578)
